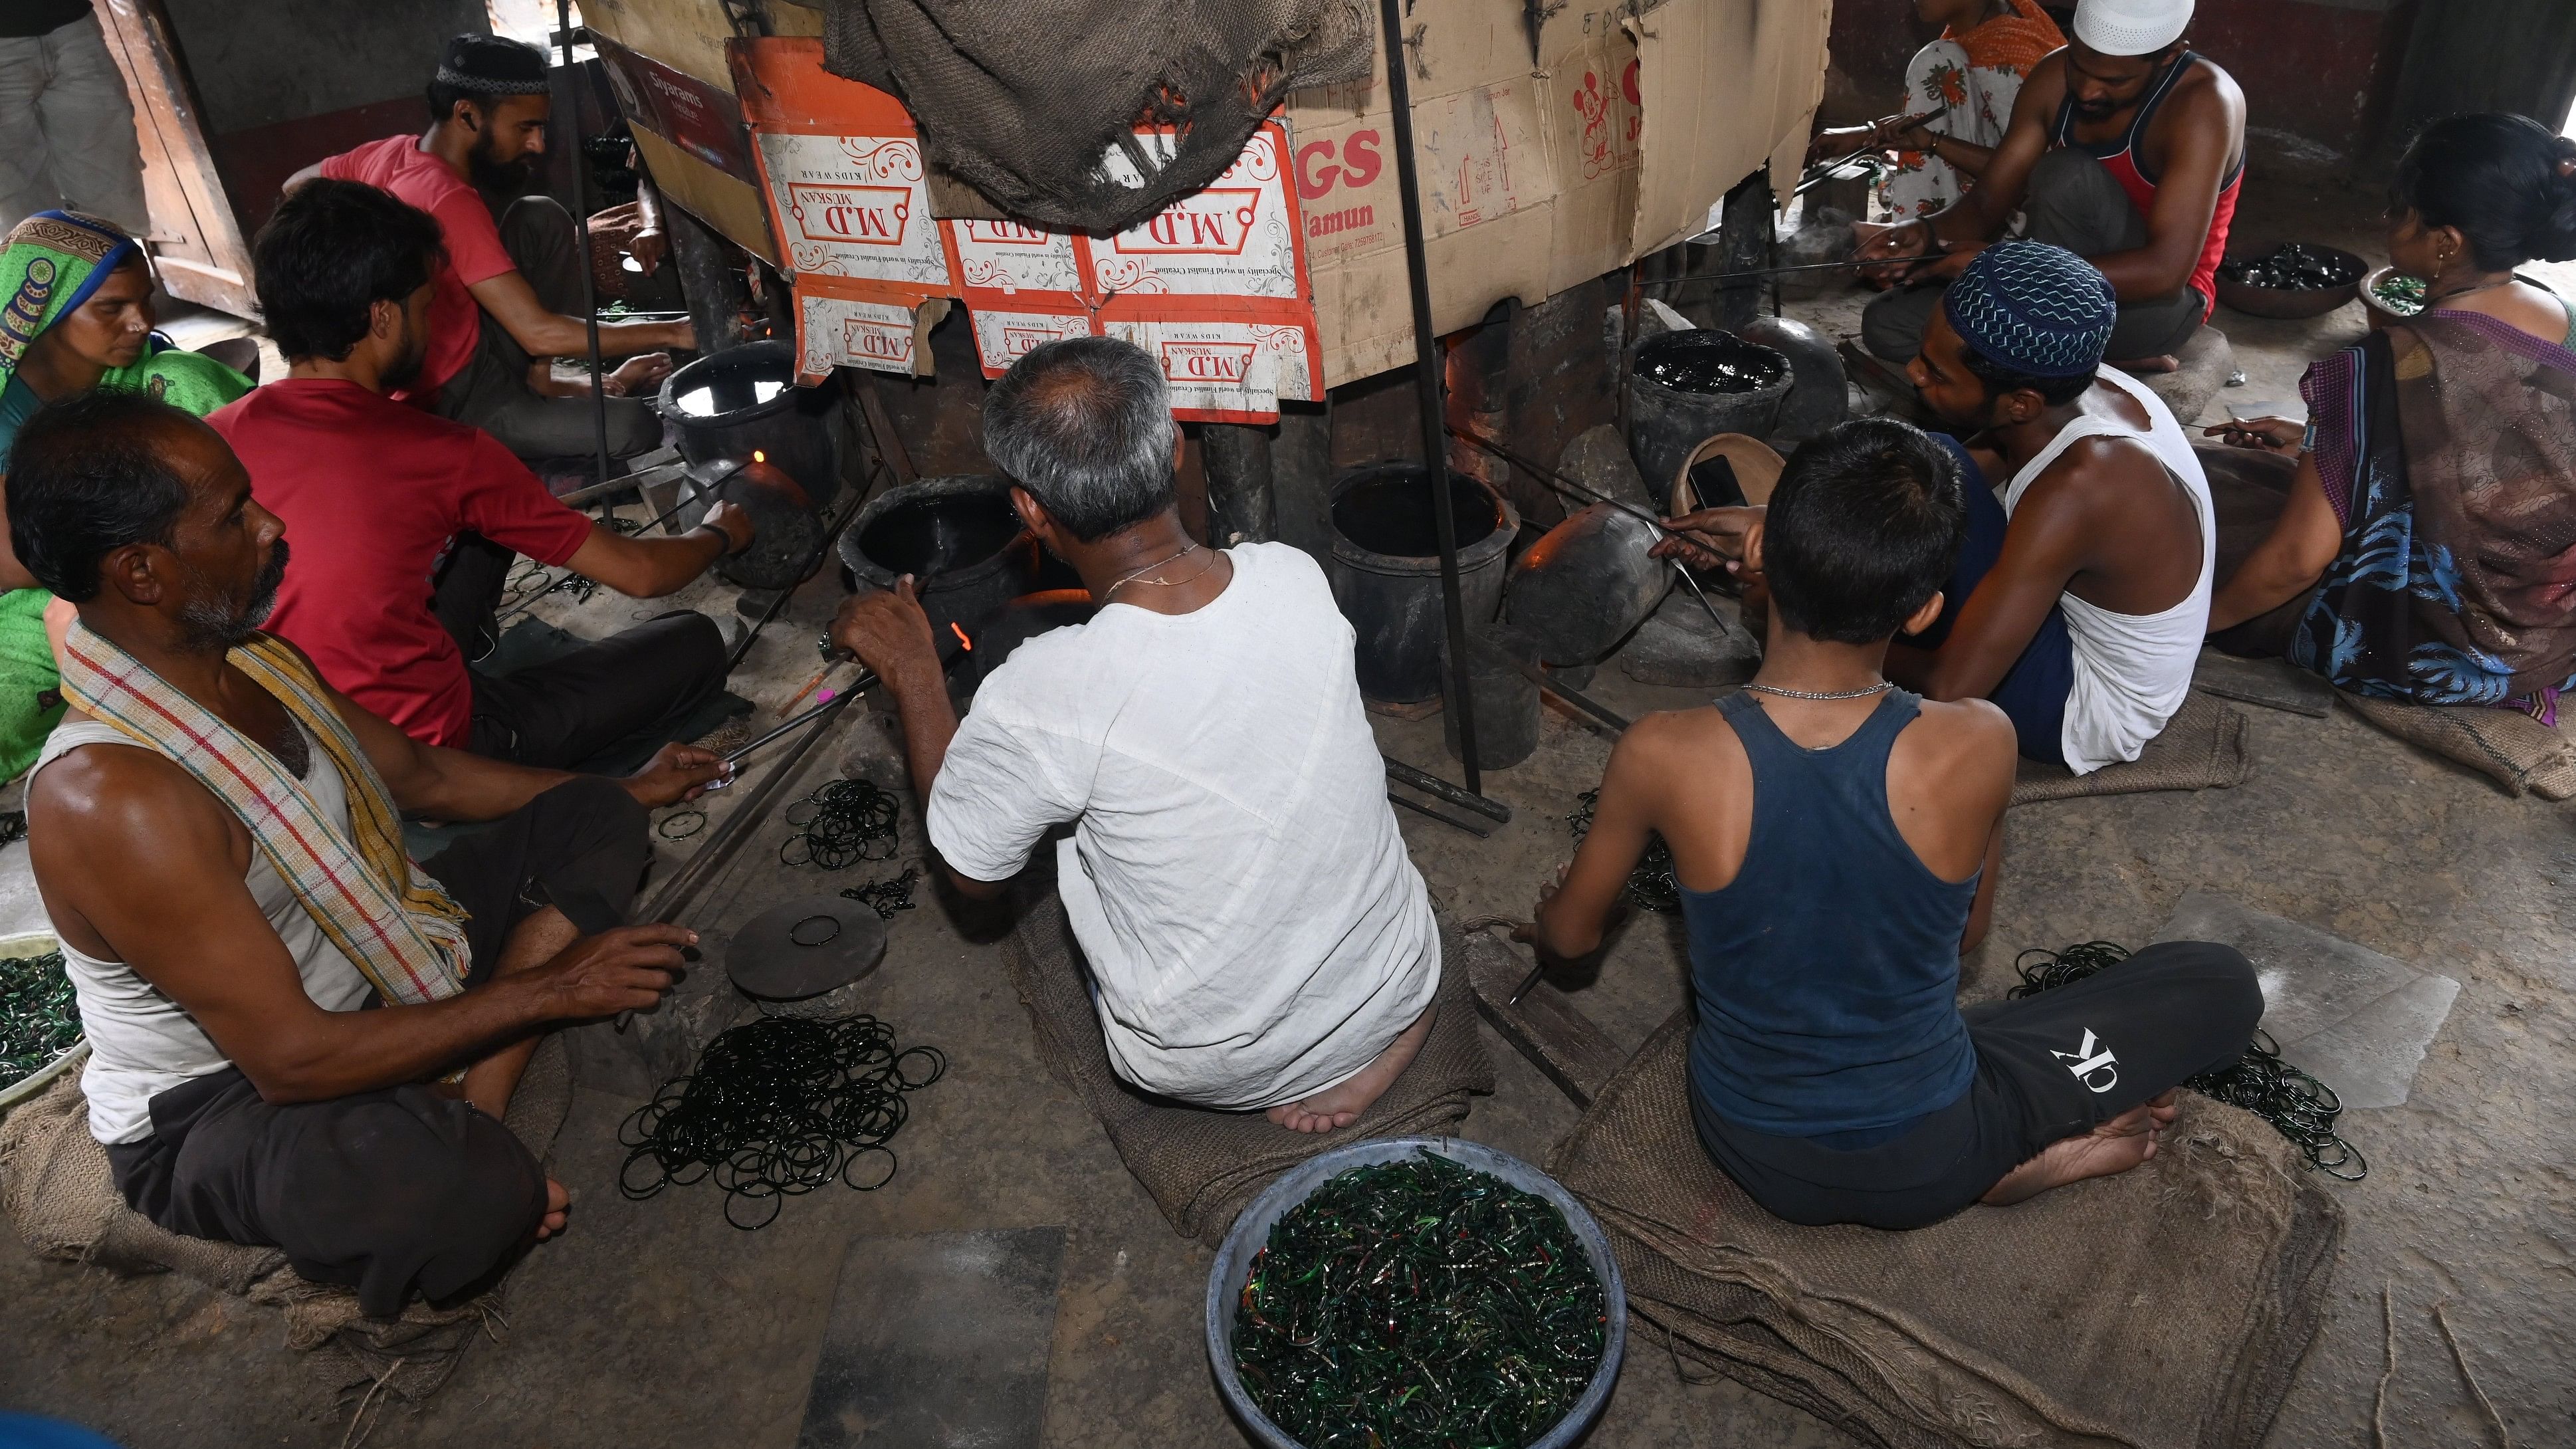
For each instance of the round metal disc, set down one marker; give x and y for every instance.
(805, 948)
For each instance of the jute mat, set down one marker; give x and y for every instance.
(2165, 1308)
(2505, 745)
(2202, 748)
(1202, 1166)
(56, 1185)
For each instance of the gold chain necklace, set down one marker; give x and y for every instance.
(1185, 551)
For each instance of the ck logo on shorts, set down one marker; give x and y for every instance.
(2091, 1060)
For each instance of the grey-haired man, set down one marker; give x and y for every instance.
(1258, 938)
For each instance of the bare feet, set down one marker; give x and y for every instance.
(2161, 362)
(1341, 1105)
(2114, 1147)
(558, 1202)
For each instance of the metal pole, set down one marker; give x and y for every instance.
(589, 257)
(1426, 359)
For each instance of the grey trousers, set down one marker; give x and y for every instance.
(492, 391)
(67, 130)
(2075, 203)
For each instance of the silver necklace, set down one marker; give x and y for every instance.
(1185, 551)
(1823, 694)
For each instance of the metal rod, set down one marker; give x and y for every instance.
(1759, 273)
(1559, 481)
(1430, 784)
(864, 682)
(1527, 982)
(1618, 723)
(1426, 358)
(589, 257)
(1478, 831)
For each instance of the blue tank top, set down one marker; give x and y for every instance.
(1827, 971)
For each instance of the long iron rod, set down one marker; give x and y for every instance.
(1567, 485)
(589, 255)
(866, 681)
(1426, 360)
(1452, 821)
(1431, 784)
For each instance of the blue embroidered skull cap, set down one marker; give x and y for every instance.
(2033, 308)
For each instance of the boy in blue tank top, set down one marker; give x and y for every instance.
(1837, 842)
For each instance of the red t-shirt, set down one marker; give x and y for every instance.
(397, 165)
(373, 493)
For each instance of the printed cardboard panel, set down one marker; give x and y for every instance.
(854, 206)
(1235, 237)
(1726, 85)
(834, 330)
(1004, 337)
(1011, 258)
(1227, 371)
(699, 117)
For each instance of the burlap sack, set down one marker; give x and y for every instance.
(1201, 1166)
(2202, 748)
(2165, 1308)
(56, 1185)
(2505, 745)
(1023, 100)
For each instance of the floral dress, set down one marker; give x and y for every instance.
(1972, 80)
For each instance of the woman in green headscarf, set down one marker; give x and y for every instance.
(77, 315)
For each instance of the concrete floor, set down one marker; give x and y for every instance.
(654, 1323)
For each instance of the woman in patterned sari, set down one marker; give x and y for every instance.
(1965, 83)
(77, 316)
(2428, 549)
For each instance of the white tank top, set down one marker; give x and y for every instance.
(2131, 670)
(140, 1041)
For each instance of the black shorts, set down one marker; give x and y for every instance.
(403, 1189)
(2049, 1067)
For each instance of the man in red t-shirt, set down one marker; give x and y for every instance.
(509, 296)
(374, 494)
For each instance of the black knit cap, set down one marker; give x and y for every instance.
(493, 65)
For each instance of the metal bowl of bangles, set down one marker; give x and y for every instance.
(1241, 1255)
(47, 1060)
(2292, 281)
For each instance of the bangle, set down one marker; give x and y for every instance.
(724, 540)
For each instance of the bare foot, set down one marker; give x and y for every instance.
(2114, 1147)
(2161, 362)
(1341, 1105)
(558, 1202)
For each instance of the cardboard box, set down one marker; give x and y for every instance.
(1542, 165)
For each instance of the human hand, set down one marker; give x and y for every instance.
(625, 969)
(886, 630)
(1837, 142)
(1892, 256)
(2271, 435)
(680, 336)
(676, 772)
(638, 373)
(733, 523)
(648, 248)
(1527, 933)
(1708, 538)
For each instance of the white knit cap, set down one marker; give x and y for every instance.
(2131, 27)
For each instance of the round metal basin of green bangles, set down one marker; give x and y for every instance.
(1251, 1232)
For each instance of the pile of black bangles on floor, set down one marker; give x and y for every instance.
(842, 823)
(776, 1108)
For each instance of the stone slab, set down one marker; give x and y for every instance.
(2356, 1019)
(938, 1341)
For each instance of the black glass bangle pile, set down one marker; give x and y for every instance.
(13, 826)
(843, 822)
(1652, 885)
(1419, 1305)
(776, 1108)
(39, 1016)
(2299, 1107)
(885, 897)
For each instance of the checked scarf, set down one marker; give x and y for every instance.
(392, 922)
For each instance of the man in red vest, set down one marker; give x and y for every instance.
(2125, 148)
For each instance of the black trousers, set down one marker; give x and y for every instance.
(402, 1189)
(2049, 1067)
(491, 391)
(561, 713)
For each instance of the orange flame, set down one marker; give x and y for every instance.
(758, 456)
(961, 636)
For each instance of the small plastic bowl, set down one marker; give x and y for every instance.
(1251, 1232)
(2381, 314)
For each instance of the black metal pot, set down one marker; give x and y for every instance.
(959, 538)
(1386, 571)
(744, 402)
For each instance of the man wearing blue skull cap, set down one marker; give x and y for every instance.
(2082, 592)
